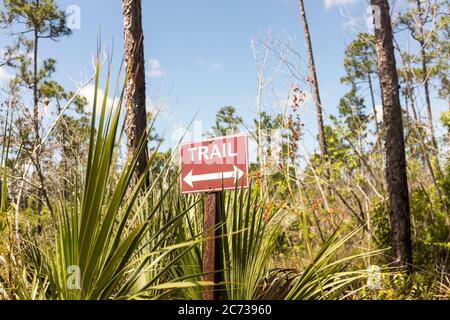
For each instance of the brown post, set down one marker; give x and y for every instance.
(211, 253)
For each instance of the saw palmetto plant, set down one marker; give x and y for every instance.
(110, 240)
(119, 238)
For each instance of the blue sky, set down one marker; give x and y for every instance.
(199, 56)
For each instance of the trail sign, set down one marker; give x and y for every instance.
(214, 164)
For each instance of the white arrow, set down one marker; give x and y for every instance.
(236, 174)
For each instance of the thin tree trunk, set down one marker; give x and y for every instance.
(313, 76)
(35, 91)
(425, 79)
(395, 145)
(65, 154)
(37, 138)
(413, 102)
(136, 117)
(427, 101)
(422, 137)
(374, 107)
(375, 113)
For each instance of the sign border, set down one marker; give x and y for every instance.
(239, 187)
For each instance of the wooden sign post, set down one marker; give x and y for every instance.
(211, 253)
(213, 165)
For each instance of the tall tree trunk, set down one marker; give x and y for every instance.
(374, 107)
(375, 113)
(425, 78)
(35, 156)
(315, 84)
(396, 177)
(410, 95)
(136, 117)
(35, 90)
(35, 120)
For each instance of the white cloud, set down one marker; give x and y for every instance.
(337, 3)
(210, 66)
(216, 66)
(155, 69)
(160, 108)
(89, 91)
(353, 22)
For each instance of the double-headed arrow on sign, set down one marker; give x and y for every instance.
(236, 174)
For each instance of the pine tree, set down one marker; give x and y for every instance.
(314, 81)
(227, 121)
(360, 68)
(394, 139)
(352, 110)
(35, 21)
(416, 19)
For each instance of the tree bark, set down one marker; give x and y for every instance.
(136, 116)
(396, 177)
(315, 84)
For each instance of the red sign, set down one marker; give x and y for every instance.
(214, 164)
